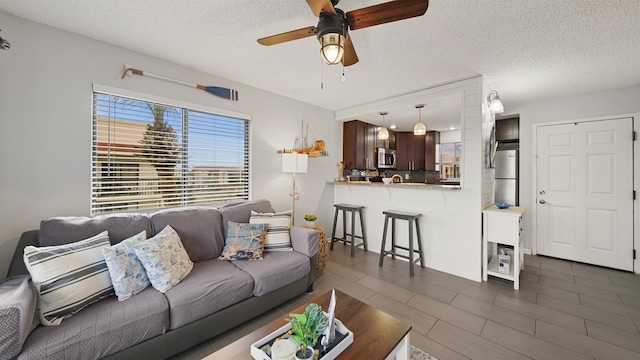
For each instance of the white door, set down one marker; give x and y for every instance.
(584, 194)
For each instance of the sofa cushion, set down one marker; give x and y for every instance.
(212, 285)
(164, 259)
(199, 228)
(18, 301)
(244, 241)
(125, 269)
(278, 238)
(275, 270)
(64, 230)
(68, 277)
(101, 329)
(240, 212)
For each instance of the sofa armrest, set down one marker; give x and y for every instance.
(18, 304)
(304, 240)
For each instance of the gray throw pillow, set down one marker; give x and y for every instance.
(18, 301)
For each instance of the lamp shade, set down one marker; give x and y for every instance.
(332, 48)
(295, 163)
(495, 105)
(419, 128)
(383, 134)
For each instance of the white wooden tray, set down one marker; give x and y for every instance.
(258, 354)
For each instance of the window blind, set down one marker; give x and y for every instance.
(149, 155)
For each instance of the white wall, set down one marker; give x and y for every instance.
(612, 102)
(450, 136)
(46, 83)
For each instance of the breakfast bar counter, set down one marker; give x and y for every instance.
(401, 185)
(449, 226)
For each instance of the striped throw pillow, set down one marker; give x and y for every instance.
(277, 238)
(68, 277)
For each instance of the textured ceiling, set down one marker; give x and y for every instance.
(528, 50)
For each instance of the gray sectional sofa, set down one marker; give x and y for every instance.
(216, 296)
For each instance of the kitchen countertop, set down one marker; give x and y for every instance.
(399, 185)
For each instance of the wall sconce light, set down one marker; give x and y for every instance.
(294, 163)
(419, 128)
(495, 105)
(383, 134)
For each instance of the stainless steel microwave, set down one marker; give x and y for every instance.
(386, 158)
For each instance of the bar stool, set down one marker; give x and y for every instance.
(411, 218)
(351, 209)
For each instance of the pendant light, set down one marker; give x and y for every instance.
(383, 134)
(419, 128)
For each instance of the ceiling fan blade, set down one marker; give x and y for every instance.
(320, 6)
(386, 13)
(350, 57)
(288, 36)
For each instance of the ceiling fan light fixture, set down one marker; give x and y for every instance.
(332, 48)
(383, 134)
(495, 105)
(419, 128)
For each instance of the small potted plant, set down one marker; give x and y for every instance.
(307, 328)
(311, 220)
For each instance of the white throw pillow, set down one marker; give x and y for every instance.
(68, 277)
(278, 238)
(125, 269)
(164, 259)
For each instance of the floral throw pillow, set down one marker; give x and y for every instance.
(164, 259)
(125, 269)
(244, 241)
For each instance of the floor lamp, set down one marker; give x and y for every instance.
(294, 163)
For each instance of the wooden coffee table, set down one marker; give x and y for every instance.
(377, 335)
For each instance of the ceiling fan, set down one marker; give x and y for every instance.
(334, 25)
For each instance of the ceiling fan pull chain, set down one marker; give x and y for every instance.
(321, 75)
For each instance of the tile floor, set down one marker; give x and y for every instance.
(563, 310)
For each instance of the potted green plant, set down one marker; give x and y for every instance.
(307, 328)
(311, 220)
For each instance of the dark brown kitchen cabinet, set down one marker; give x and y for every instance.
(508, 129)
(431, 140)
(410, 151)
(390, 143)
(359, 145)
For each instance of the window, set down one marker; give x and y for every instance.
(150, 155)
(450, 160)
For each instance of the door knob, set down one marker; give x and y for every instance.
(542, 202)
(541, 192)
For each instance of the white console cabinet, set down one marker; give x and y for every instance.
(502, 226)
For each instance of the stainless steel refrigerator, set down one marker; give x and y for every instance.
(507, 183)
